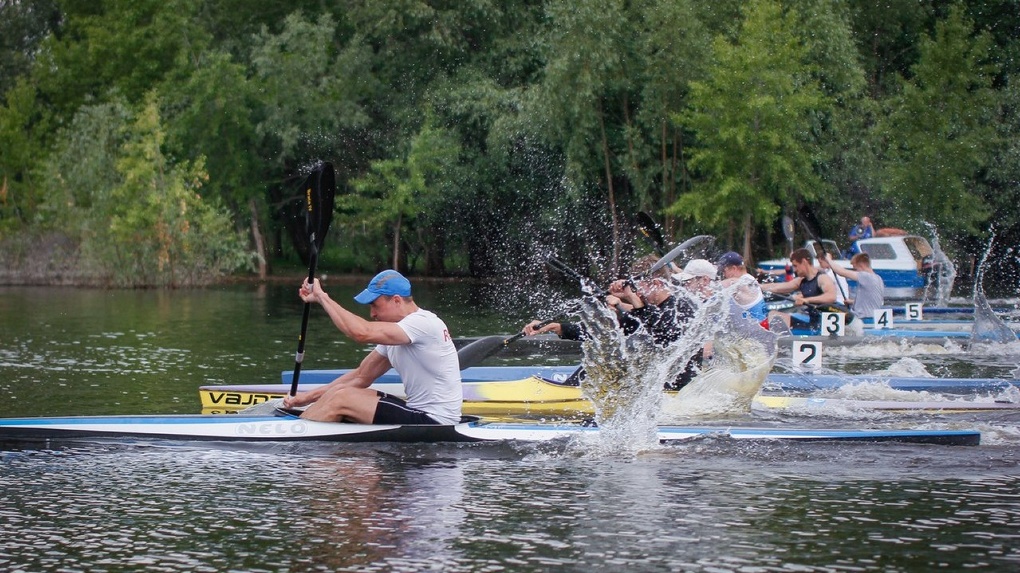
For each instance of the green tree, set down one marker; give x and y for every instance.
(582, 90)
(159, 231)
(311, 92)
(673, 51)
(940, 132)
(23, 26)
(83, 168)
(311, 89)
(20, 195)
(113, 46)
(886, 34)
(396, 192)
(841, 132)
(754, 117)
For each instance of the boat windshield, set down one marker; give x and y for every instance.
(879, 251)
(830, 247)
(919, 247)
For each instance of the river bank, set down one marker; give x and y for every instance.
(48, 259)
(53, 259)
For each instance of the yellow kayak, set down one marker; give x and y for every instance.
(527, 396)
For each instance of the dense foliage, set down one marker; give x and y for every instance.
(167, 138)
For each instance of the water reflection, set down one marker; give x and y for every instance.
(706, 505)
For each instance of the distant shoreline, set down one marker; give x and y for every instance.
(53, 260)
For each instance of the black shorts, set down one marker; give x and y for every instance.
(393, 410)
(812, 320)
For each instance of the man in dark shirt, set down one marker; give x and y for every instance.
(644, 303)
(810, 286)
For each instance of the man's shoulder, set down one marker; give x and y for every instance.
(420, 314)
(422, 321)
(870, 276)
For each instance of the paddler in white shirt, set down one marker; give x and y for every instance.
(413, 341)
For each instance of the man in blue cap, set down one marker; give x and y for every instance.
(748, 299)
(413, 341)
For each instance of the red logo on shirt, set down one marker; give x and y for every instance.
(446, 334)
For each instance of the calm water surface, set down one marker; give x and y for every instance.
(706, 505)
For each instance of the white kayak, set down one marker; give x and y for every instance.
(288, 428)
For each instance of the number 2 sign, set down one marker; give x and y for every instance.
(807, 355)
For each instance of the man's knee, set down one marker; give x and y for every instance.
(351, 403)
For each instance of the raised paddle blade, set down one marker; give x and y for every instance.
(788, 231)
(651, 232)
(700, 242)
(788, 227)
(319, 192)
(473, 354)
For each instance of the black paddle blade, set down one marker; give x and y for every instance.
(474, 353)
(320, 192)
(651, 232)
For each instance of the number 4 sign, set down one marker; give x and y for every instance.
(883, 318)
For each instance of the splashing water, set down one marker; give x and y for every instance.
(739, 368)
(625, 374)
(943, 272)
(987, 326)
(621, 381)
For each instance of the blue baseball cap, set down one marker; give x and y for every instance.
(730, 259)
(386, 283)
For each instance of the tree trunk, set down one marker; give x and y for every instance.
(260, 243)
(396, 242)
(435, 254)
(747, 236)
(615, 263)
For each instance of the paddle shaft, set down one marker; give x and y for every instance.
(538, 326)
(300, 356)
(319, 190)
(822, 247)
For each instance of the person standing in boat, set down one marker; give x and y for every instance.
(413, 341)
(870, 288)
(865, 230)
(811, 287)
(842, 288)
